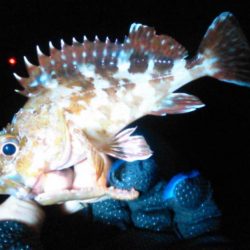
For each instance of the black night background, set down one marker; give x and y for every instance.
(215, 139)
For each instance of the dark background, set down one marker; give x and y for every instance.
(214, 139)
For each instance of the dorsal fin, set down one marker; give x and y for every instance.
(87, 60)
(144, 38)
(148, 47)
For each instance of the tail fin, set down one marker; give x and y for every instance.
(225, 52)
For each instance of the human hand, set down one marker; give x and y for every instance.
(27, 212)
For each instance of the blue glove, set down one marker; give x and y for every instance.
(190, 198)
(140, 175)
(16, 235)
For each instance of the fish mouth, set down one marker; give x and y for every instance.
(59, 186)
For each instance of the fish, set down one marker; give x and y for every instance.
(82, 98)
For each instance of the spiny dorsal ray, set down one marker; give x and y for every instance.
(88, 59)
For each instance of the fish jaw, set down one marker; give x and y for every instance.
(10, 186)
(85, 182)
(86, 195)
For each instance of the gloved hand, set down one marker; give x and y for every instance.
(190, 198)
(27, 212)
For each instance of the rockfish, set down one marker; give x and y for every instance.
(81, 97)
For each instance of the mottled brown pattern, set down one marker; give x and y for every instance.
(166, 78)
(111, 91)
(11, 129)
(23, 162)
(195, 66)
(145, 39)
(130, 86)
(103, 55)
(107, 66)
(75, 107)
(88, 96)
(138, 63)
(125, 80)
(163, 64)
(225, 40)
(22, 142)
(86, 83)
(76, 84)
(114, 82)
(194, 62)
(141, 46)
(106, 56)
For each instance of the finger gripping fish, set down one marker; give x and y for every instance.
(81, 97)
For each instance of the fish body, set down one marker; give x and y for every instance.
(80, 99)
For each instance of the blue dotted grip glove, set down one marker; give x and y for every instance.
(195, 211)
(16, 235)
(184, 203)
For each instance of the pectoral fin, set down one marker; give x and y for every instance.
(129, 148)
(178, 103)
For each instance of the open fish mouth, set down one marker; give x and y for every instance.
(60, 186)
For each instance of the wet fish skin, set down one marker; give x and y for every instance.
(81, 97)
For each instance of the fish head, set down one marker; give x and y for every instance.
(36, 142)
(10, 181)
(45, 157)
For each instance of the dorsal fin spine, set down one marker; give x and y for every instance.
(51, 46)
(27, 62)
(62, 44)
(74, 40)
(134, 27)
(96, 39)
(19, 78)
(107, 40)
(38, 51)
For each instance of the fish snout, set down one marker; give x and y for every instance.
(13, 184)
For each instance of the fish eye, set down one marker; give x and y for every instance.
(9, 147)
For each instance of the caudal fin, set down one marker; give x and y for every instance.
(224, 51)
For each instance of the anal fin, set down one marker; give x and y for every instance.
(178, 103)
